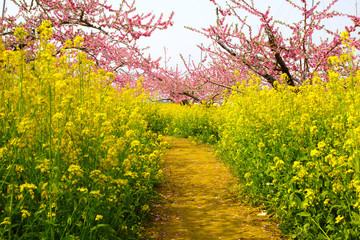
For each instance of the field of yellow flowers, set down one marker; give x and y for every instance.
(80, 159)
(299, 153)
(77, 160)
(295, 150)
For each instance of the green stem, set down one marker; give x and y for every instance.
(11, 206)
(320, 228)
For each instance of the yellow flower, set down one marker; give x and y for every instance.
(135, 143)
(309, 193)
(261, 145)
(49, 215)
(78, 41)
(284, 77)
(249, 183)
(321, 145)
(344, 35)
(278, 162)
(339, 218)
(29, 186)
(68, 43)
(297, 164)
(110, 75)
(75, 169)
(45, 30)
(44, 166)
(83, 190)
(98, 217)
(19, 168)
(313, 130)
(333, 59)
(126, 164)
(95, 173)
(247, 175)
(25, 213)
(6, 221)
(3, 151)
(96, 193)
(145, 208)
(85, 131)
(352, 121)
(315, 153)
(20, 33)
(350, 143)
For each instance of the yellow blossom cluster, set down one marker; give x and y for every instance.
(75, 152)
(301, 149)
(199, 122)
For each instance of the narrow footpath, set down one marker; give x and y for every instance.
(199, 200)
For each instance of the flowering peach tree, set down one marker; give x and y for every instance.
(110, 39)
(110, 35)
(240, 48)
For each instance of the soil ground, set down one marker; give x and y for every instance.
(200, 200)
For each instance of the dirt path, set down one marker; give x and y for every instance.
(199, 202)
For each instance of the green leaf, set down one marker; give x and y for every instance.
(103, 226)
(304, 214)
(69, 237)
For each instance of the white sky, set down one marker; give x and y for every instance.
(176, 39)
(201, 13)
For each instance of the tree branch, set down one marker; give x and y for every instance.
(279, 59)
(189, 95)
(269, 78)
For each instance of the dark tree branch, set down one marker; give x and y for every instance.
(225, 47)
(279, 59)
(269, 78)
(220, 85)
(189, 95)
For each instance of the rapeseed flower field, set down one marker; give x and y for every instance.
(80, 159)
(77, 158)
(296, 150)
